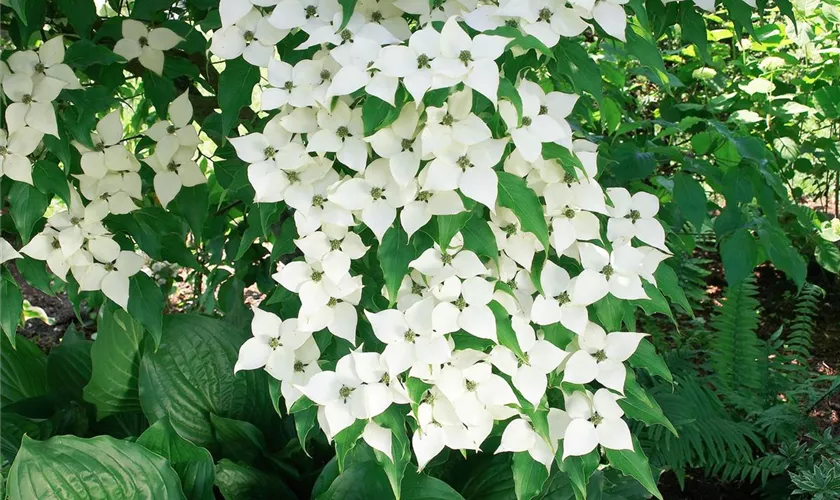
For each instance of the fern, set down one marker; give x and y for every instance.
(734, 348)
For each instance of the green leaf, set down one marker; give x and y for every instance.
(161, 91)
(12, 305)
(27, 207)
(347, 8)
(504, 328)
(783, 254)
(22, 370)
(509, 93)
(647, 358)
(35, 273)
(640, 44)
(194, 465)
(639, 405)
(69, 366)
(394, 254)
(235, 86)
(524, 203)
(579, 469)
(362, 481)
(828, 101)
(81, 14)
(741, 15)
(575, 64)
(13, 427)
(669, 285)
(145, 304)
(240, 482)
(84, 53)
(378, 114)
(345, 441)
(305, 422)
(690, 198)
(610, 312)
(176, 379)
(157, 232)
(828, 256)
(70, 468)
(240, 441)
(529, 476)
(479, 238)
(146, 9)
(449, 225)
(656, 303)
(393, 419)
(634, 464)
(115, 357)
(693, 29)
(193, 204)
(49, 179)
(739, 253)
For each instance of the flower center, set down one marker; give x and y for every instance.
(509, 229)
(316, 276)
(40, 68)
(288, 86)
(460, 303)
(416, 289)
(171, 129)
(427, 398)
(376, 193)
(293, 177)
(569, 213)
(406, 144)
(248, 36)
(446, 258)
(26, 99)
(545, 14)
(346, 35)
(75, 221)
(634, 215)
(563, 298)
(269, 152)
(568, 178)
(511, 23)
(422, 61)
(607, 271)
(471, 386)
(543, 109)
(325, 74)
(109, 267)
(512, 284)
(526, 121)
(386, 379)
(318, 201)
(465, 57)
(376, 17)
(310, 11)
(596, 419)
(172, 166)
(335, 245)
(99, 146)
(4, 151)
(424, 196)
(410, 335)
(56, 244)
(332, 302)
(447, 120)
(274, 343)
(345, 392)
(143, 41)
(463, 162)
(600, 355)
(299, 366)
(342, 132)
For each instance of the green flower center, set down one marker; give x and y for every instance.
(288, 86)
(386, 379)
(109, 267)
(543, 109)
(325, 74)
(563, 298)
(446, 121)
(509, 229)
(596, 419)
(55, 244)
(332, 302)
(427, 398)
(345, 392)
(40, 68)
(446, 258)
(422, 61)
(460, 303)
(465, 57)
(248, 36)
(274, 343)
(171, 129)
(26, 99)
(634, 215)
(416, 289)
(569, 213)
(410, 335)
(172, 166)
(342, 132)
(600, 355)
(310, 11)
(376, 193)
(318, 201)
(568, 178)
(512, 284)
(511, 23)
(335, 244)
(471, 386)
(545, 14)
(299, 366)
(608, 271)
(526, 121)
(99, 147)
(424, 196)
(293, 177)
(75, 221)
(143, 41)
(4, 151)
(346, 35)
(316, 276)
(376, 17)
(463, 162)
(406, 144)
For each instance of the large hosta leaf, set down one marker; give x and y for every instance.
(191, 376)
(72, 468)
(22, 371)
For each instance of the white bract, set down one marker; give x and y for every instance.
(15, 151)
(601, 357)
(591, 420)
(138, 42)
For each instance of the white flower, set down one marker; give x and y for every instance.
(375, 195)
(453, 122)
(7, 251)
(468, 168)
(616, 273)
(610, 15)
(356, 60)
(231, 11)
(471, 61)
(291, 84)
(397, 143)
(593, 420)
(316, 210)
(251, 37)
(564, 191)
(175, 132)
(106, 150)
(556, 105)
(465, 306)
(77, 224)
(417, 213)
(147, 46)
(307, 15)
(412, 63)
(305, 366)
(313, 285)
(412, 290)
(441, 11)
(356, 28)
(519, 281)
(334, 250)
(633, 216)
(519, 436)
(601, 357)
(477, 394)
(354, 390)
(341, 132)
(46, 246)
(48, 61)
(438, 265)
(32, 104)
(536, 126)
(272, 346)
(559, 304)
(438, 427)
(571, 225)
(386, 14)
(409, 337)
(517, 244)
(548, 20)
(14, 151)
(112, 277)
(174, 171)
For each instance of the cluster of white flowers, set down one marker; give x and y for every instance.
(147, 46)
(314, 155)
